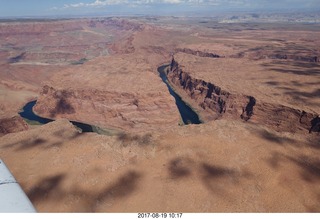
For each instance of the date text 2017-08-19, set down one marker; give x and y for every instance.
(159, 215)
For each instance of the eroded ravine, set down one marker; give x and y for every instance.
(188, 115)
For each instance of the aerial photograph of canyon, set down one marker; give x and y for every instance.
(185, 106)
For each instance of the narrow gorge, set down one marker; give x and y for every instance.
(188, 115)
(216, 103)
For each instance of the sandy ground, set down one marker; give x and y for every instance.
(217, 167)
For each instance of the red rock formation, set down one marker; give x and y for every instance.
(198, 53)
(119, 91)
(123, 110)
(238, 106)
(11, 125)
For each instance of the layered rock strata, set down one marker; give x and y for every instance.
(221, 103)
(11, 125)
(113, 92)
(198, 53)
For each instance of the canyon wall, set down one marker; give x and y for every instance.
(110, 109)
(11, 125)
(221, 103)
(198, 53)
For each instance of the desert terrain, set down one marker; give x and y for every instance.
(254, 86)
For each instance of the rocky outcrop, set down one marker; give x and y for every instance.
(222, 103)
(198, 53)
(11, 125)
(123, 110)
(315, 125)
(17, 58)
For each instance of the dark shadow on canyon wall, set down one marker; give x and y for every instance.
(315, 125)
(17, 58)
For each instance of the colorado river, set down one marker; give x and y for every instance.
(28, 114)
(187, 114)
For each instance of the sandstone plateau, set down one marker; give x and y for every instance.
(243, 104)
(255, 86)
(212, 167)
(118, 92)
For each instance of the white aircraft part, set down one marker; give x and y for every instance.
(12, 197)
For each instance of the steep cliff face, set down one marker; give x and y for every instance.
(221, 103)
(198, 53)
(118, 91)
(11, 125)
(128, 111)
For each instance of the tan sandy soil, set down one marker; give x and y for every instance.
(217, 167)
